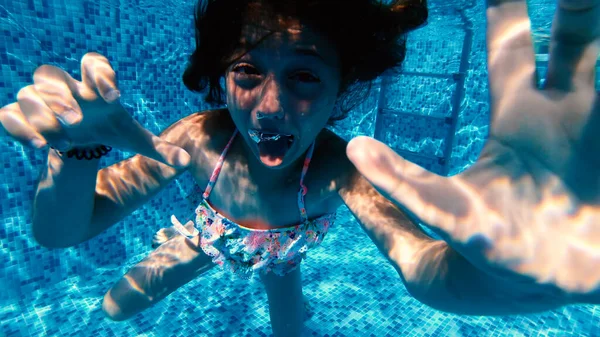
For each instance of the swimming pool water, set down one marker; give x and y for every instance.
(434, 114)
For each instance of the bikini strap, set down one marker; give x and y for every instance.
(217, 170)
(303, 188)
(301, 193)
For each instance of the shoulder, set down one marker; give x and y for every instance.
(197, 122)
(332, 158)
(195, 131)
(349, 184)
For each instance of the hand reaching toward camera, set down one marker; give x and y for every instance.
(528, 211)
(65, 113)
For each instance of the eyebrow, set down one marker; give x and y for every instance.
(307, 51)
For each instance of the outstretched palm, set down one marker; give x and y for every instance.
(530, 205)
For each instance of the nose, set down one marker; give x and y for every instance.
(270, 106)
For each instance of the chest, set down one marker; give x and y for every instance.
(237, 196)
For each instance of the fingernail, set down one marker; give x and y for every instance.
(383, 163)
(183, 159)
(113, 95)
(38, 143)
(71, 117)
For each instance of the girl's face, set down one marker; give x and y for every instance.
(282, 93)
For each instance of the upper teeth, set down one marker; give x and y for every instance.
(258, 136)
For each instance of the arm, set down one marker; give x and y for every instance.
(74, 202)
(433, 272)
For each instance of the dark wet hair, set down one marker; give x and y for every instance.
(370, 38)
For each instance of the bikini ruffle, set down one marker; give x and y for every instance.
(244, 250)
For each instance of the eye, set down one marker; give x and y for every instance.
(245, 70)
(305, 76)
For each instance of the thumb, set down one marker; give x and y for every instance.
(435, 200)
(139, 140)
(167, 153)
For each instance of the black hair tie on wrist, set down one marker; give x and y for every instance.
(87, 154)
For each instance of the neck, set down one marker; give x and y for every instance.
(267, 177)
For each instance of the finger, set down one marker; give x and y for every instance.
(98, 75)
(52, 86)
(39, 116)
(574, 44)
(511, 59)
(14, 124)
(439, 202)
(139, 140)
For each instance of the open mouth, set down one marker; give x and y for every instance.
(272, 146)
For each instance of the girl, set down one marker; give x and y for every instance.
(287, 69)
(270, 172)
